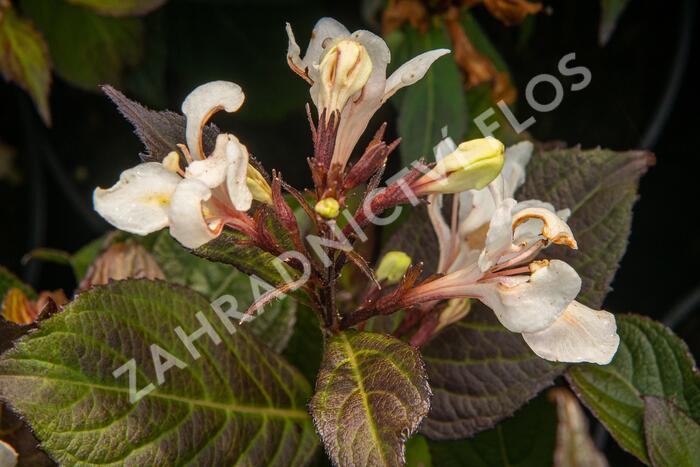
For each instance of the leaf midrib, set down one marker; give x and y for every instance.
(365, 401)
(236, 408)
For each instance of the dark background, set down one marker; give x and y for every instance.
(642, 95)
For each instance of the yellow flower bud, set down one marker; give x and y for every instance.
(172, 162)
(328, 208)
(393, 266)
(345, 69)
(472, 166)
(258, 186)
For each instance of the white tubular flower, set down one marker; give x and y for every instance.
(347, 72)
(487, 253)
(197, 201)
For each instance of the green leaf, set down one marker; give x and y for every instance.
(434, 102)
(650, 361)
(120, 7)
(87, 49)
(371, 394)
(232, 247)
(238, 403)
(526, 440)
(480, 373)
(600, 188)
(273, 324)
(610, 11)
(24, 59)
(672, 437)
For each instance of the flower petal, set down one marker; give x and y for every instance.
(237, 174)
(202, 103)
(357, 113)
(326, 31)
(552, 227)
(580, 334)
(517, 157)
(531, 304)
(138, 202)
(411, 71)
(294, 54)
(187, 222)
(212, 170)
(477, 206)
(499, 238)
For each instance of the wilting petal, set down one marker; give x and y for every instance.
(580, 334)
(294, 54)
(138, 202)
(187, 221)
(202, 103)
(530, 304)
(411, 71)
(552, 227)
(499, 238)
(325, 32)
(121, 261)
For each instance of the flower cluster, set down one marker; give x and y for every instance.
(488, 250)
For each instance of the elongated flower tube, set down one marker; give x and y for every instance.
(347, 73)
(196, 201)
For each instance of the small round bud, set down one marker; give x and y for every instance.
(328, 208)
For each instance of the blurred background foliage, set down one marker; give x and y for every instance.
(60, 137)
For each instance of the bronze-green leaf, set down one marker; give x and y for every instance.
(480, 373)
(238, 403)
(24, 59)
(371, 394)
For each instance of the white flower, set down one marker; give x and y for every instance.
(195, 202)
(360, 85)
(487, 252)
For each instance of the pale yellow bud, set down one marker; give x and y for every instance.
(172, 162)
(345, 70)
(258, 186)
(328, 208)
(472, 166)
(393, 266)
